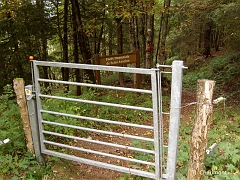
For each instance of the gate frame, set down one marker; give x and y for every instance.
(175, 110)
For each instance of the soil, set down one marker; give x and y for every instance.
(65, 169)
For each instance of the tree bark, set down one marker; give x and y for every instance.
(43, 42)
(149, 40)
(143, 37)
(18, 85)
(65, 71)
(98, 40)
(202, 121)
(133, 29)
(75, 53)
(207, 40)
(120, 47)
(83, 42)
(159, 37)
(163, 55)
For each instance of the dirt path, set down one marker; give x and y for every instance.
(78, 171)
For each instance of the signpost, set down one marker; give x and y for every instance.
(118, 60)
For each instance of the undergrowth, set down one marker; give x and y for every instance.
(224, 161)
(15, 161)
(223, 69)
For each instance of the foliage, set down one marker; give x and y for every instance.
(225, 17)
(191, 20)
(15, 161)
(223, 69)
(21, 26)
(225, 157)
(223, 162)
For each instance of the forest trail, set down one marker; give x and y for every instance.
(70, 170)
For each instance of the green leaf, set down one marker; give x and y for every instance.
(5, 169)
(23, 164)
(15, 178)
(237, 118)
(230, 167)
(235, 158)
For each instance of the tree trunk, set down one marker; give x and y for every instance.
(75, 53)
(100, 37)
(149, 40)
(43, 42)
(198, 142)
(65, 71)
(110, 43)
(133, 29)
(163, 55)
(98, 40)
(207, 40)
(83, 42)
(133, 45)
(159, 37)
(143, 36)
(120, 47)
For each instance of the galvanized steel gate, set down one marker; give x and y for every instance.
(43, 145)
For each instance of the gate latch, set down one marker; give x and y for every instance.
(29, 92)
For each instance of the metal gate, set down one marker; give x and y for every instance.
(67, 139)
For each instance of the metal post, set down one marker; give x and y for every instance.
(32, 111)
(156, 124)
(175, 110)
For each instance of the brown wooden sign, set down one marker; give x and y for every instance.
(118, 59)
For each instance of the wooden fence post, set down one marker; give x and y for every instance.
(18, 85)
(202, 120)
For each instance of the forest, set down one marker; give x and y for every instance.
(77, 30)
(204, 34)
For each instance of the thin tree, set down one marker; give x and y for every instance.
(65, 71)
(83, 41)
(76, 52)
(163, 55)
(120, 45)
(43, 39)
(133, 28)
(149, 39)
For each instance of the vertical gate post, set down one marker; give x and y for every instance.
(175, 111)
(32, 111)
(155, 101)
(202, 121)
(18, 85)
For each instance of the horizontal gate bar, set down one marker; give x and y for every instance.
(96, 86)
(99, 131)
(94, 67)
(166, 72)
(99, 153)
(98, 103)
(101, 164)
(100, 142)
(98, 120)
